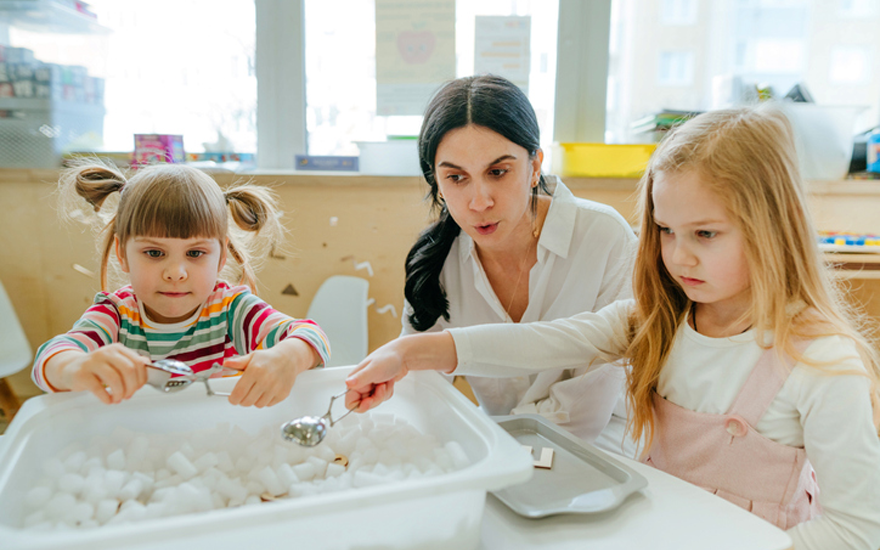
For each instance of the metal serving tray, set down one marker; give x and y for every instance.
(582, 480)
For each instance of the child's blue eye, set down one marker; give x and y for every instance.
(665, 230)
(153, 253)
(195, 253)
(706, 234)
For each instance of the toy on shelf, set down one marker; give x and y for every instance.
(843, 241)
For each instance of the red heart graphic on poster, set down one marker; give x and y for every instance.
(415, 47)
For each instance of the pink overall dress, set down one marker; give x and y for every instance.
(725, 455)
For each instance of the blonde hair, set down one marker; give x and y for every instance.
(747, 158)
(173, 201)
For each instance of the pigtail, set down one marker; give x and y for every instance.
(424, 262)
(95, 181)
(253, 210)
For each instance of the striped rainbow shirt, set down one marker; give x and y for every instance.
(232, 322)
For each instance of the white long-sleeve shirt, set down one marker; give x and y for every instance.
(585, 257)
(829, 416)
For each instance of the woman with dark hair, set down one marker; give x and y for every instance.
(511, 245)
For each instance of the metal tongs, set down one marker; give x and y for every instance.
(159, 375)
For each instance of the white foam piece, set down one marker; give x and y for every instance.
(171, 481)
(178, 462)
(382, 418)
(370, 456)
(187, 450)
(270, 480)
(232, 489)
(334, 470)
(58, 505)
(71, 483)
(217, 501)
(366, 479)
(136, 452)
(79, 512)
(34, 519)
(244, 464)
(346, 443)
(305, 471)
(105, 510)
(389, 458)
(380, 470)
(255, 487)
(90, 464)
(113, 481)
(286, 475)
(116, 460)
(155, 510)
(37, 497)
(456, 452)
(224, 462)
(325, 452)
(95, 489)
(132, 489)
(319, 464)
(207, 460)
(252, 499)
(362, 444)
(162, 473)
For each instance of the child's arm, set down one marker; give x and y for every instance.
(499, 350)
(113, 373)
(256, 331)
(842, 445)
(90, 355)
(269, 374)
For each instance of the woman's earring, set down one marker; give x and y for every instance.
(442, 198)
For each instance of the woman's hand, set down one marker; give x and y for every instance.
(269, 374)
(372, 381)
(113, 373)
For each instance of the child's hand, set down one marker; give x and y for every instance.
(372, 381)
(113, 373)
(269, 374)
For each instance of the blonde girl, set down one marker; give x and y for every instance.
(747, 374)
(170, 232)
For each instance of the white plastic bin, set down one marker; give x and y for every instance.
(389, 158)
(823, 136)
(444, 511)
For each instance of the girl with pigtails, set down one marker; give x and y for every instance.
(170, 232)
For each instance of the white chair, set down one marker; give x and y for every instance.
(340, 308)
(15, 353)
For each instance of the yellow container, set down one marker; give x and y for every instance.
(602, 160)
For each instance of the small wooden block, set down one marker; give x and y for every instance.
(546, 460)
(342, 460)
(269, 497)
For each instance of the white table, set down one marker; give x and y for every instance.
(668, 514)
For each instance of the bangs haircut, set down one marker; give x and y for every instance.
(172, 201)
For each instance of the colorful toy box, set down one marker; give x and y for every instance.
(157, 148)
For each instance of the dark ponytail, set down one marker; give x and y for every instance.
(488, 101)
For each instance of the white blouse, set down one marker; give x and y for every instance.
(829, 416)
(585, 256)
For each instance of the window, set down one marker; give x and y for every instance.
(735, 47)
(341, 69)
(168, 67)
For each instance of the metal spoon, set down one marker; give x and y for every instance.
(308, 431)
(160, 372)
(159, 376)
